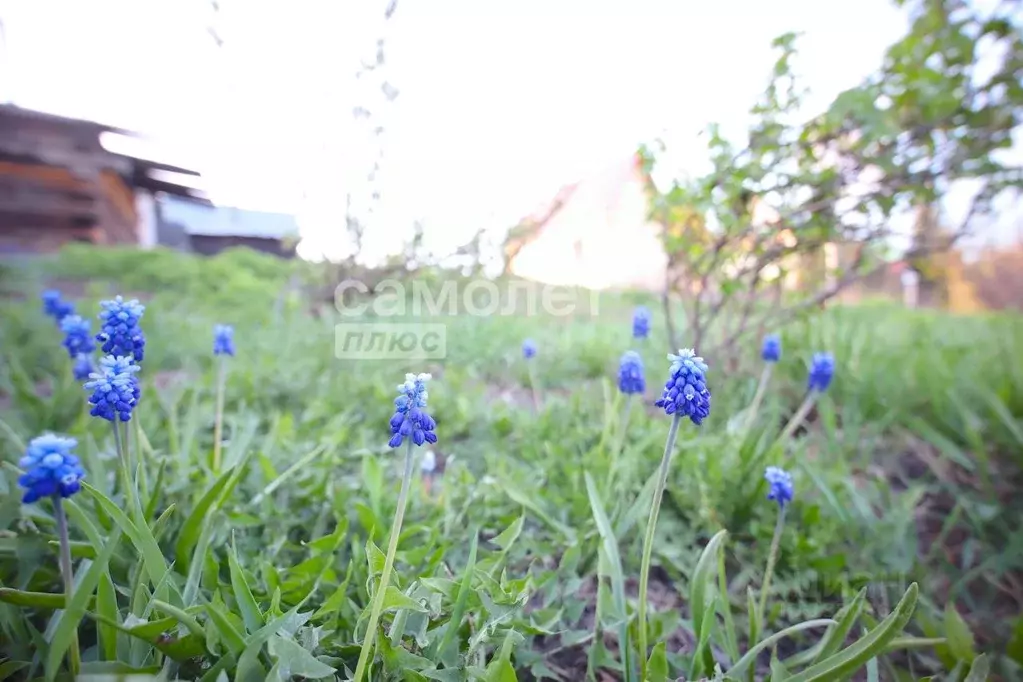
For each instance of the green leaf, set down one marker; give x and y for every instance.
(375, 559)
(958, 635)
(251, 615)
(458, 612)
(295, 661)
(979, 670)
(396, 599)
(900, 643)
(106, 606)
(846, 617)
(8, 668)
(1015, 646)
(193, 525)
(229, 634)
(152, 557)
(778, 670)
(699, 663)
(179, 615)
(751, 656)
(855, 656)
(610, 545)
(506, 538)
(657, 665)
(44, 600)
(704, 575)
(67, 629)
(501, 671)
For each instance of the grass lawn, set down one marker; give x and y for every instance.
(906, 471)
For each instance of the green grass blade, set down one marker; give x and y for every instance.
(704, 575)
(251, 615)
(447, 653)
(142, 537)
(980, 669)
(610, 544)
(747, 660)
(846, 618)
(192, 529)
(855, 656)
(67, 629)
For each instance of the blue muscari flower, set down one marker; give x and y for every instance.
(528, 348)
(120, 332)
(55, 306)
(686, 391)
(771, 350)
(51, 468)
(410, 418)
(780, 482)
(115, 388)
(83, 367)
(822, 369)
(223, 339)
(77, 335)
(630, 373)
(641, 322)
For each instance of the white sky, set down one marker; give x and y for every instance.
(500, 103)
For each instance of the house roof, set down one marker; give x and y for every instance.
(226, 221)
(23, 147)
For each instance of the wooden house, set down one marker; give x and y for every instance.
(58, 184)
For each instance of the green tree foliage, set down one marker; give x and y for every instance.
(937, 114)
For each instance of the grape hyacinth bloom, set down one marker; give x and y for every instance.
(822, 369)
(529, 349)
(630, 374)
(55, 306)
(686, 391)
(412, 424)
(410, 418)
(223, 346)
(77, 335)
(51, 468)
(780, 482)
(115, 389)
(83, 367)
(771, 349)
(685, 395)
(120, 332)
(780, 490)
(770, 352)
(223, 339)
(641, 322)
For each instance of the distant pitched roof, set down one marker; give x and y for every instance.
(135, 170)
(226, 221)
(14, 111)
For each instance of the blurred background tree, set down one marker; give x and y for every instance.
(801, 210)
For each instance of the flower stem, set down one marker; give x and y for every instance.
(533, 386)
(648, 541)
(772, 557)
(218, 423)
(619, 441)
(765, 378)
(67, 572)
(799, 416)
(122, 457)
(385, 576)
